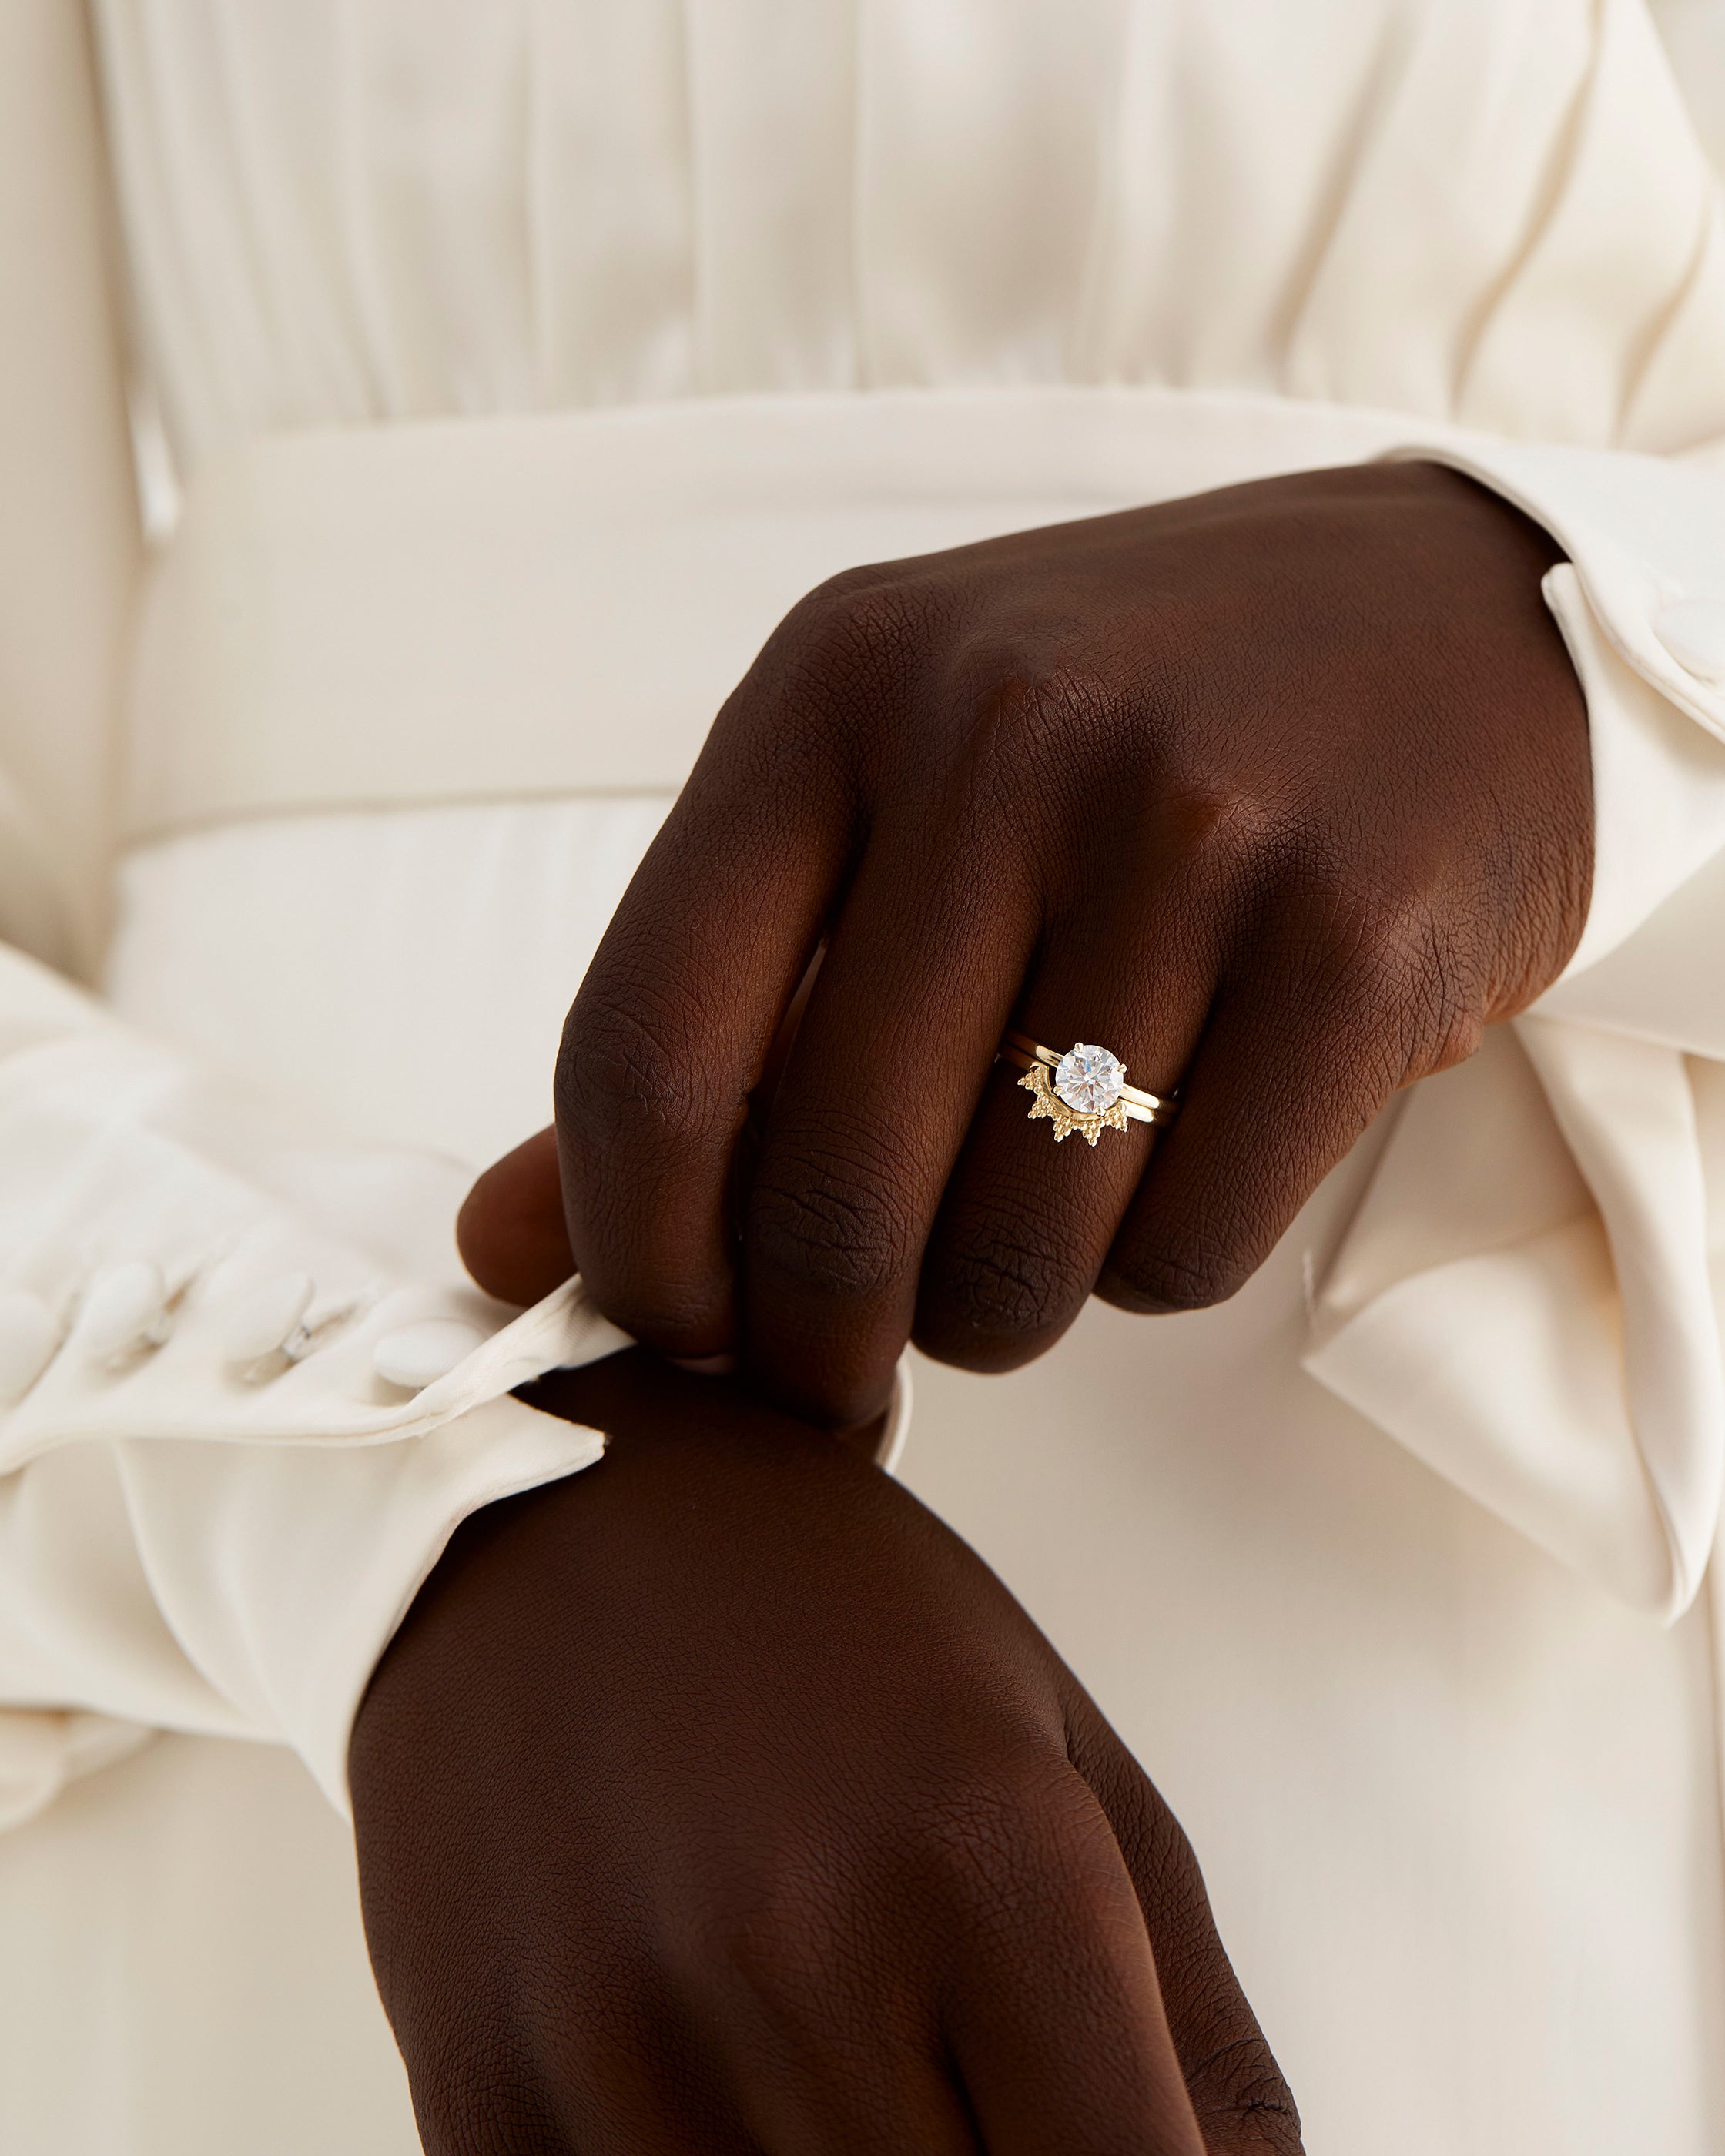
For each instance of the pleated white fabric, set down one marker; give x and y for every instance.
(353, 210)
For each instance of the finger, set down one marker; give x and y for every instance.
(1301, 1050)
(1236, 2089)
(1027, 1220)
(1057, 2023)
(671, 1030)
(921, 973)
(510, 1231)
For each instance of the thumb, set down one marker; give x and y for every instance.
(509, 1230)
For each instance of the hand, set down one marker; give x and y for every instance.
(1282, 793)
(719, 1799)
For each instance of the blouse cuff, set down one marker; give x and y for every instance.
(1641, 603)
(263, 1333)
(1526, 1297)
(284, 1573)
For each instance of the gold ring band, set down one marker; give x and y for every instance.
(1088, 1092)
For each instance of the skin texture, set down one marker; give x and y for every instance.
(1282, 792)
(720, 1802)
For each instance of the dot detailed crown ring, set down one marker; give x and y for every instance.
(1084, 1091)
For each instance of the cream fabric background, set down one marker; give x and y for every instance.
(415, 207)
(1461, 1816)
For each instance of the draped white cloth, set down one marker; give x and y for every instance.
(867, 275)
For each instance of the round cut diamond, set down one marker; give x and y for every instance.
(1089, 1079)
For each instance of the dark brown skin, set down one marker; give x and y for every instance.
(1282, 793)
(720, 1802)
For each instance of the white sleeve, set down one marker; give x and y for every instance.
(1640, 603)
(245, 1400)
(1527, 1297)
(214, 1502)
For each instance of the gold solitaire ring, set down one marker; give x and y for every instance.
(1084, 1091)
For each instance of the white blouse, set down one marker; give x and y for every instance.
(354, 210)
(867, 274)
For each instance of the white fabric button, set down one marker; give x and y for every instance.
(419, 1355)
(1693, 631)
(267, 1319)
(28, 1337)
(124, 1309)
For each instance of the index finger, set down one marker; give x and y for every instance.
(670, 1032)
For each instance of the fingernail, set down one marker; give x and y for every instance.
(705, 1366)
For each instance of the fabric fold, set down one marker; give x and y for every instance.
(245, 1400)
(1523, 1301)
(1554, 1347)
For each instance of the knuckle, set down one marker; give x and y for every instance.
(777, 1934)
(855, 632)
(775, 1956)
(1389, 970)
(1244, 2104)
(1458, 1030)
(1020, 713)
(833, 1217)
(994, 1291)
(1022, 747)
(832, 679)
(1005, 1836)
(1193, 1273)
(643, 1134)
(1374, 950)
(621, 1083)
(1218, 829)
